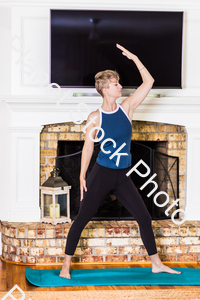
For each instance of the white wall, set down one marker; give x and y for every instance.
(32, 25)
(5, 155)
(5, 89)
(29, 22)
(5, 50)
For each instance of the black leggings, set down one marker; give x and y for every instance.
(100, 182)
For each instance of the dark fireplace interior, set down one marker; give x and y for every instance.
(166, 167)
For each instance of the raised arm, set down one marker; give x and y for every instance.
(132, 102)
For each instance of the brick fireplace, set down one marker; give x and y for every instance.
(173, 135)
(33, 150)
(104, 241)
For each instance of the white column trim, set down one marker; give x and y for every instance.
(25, 156)
(192, 206)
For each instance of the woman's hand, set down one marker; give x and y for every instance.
(82, 187)
(126, 53)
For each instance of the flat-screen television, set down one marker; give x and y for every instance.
(83, 42)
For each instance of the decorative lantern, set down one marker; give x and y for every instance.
(55, 199)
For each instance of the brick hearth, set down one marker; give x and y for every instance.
(101, 241)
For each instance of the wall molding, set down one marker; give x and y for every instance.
(23, 20)
(24, 175)
(192, 129)
(186, 105)
(34, 129)
(78, 4)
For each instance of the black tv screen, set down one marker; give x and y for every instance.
(83, 42)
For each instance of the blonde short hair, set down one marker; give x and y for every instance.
(102, 80)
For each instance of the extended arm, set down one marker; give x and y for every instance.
(132, 102)
(87, 152)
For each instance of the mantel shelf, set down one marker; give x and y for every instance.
(55, 104)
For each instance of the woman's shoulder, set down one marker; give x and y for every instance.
(94, 113)
(125, 105)
(95, 116)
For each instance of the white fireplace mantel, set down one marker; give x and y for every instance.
(175, 110)
(27, 115)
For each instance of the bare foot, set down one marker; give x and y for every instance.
(65, 272)
(163, 268)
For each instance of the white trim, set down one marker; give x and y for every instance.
(110, 112)
(80, 4)
(21, 213)
(43, 104)
(125, 114)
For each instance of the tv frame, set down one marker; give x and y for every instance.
(127, 89)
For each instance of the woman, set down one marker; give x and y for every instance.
(113, 162)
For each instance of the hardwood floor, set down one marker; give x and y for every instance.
(11, 274)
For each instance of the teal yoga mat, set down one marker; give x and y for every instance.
(119, 276)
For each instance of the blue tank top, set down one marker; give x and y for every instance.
(117, 128)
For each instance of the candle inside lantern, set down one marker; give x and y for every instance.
(57, 211)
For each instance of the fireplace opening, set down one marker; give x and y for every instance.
(152, 153)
